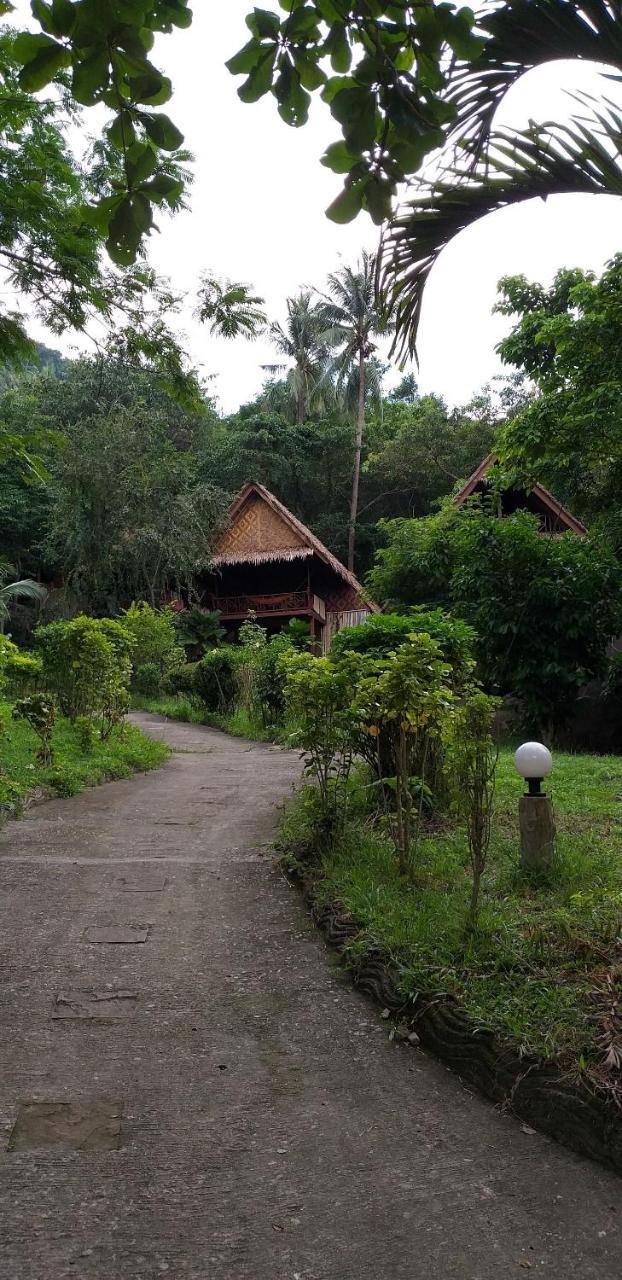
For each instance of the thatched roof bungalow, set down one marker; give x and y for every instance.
(269, 563)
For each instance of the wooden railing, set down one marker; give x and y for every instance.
(280, 602)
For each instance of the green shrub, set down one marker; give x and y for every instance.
(269, 682)
(8, 651)
(215, 678)
(297, 632)
(155, 641)
(86, 664)
(543, 609)
(382, 633)
(39, 711)
(85, 733)
(198, 630)
(319, 697)
(22, 672)
(183, 680)
(147, 679)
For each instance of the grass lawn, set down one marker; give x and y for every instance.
(127, 751)
(545, 967)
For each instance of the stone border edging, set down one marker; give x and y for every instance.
(588, 1120)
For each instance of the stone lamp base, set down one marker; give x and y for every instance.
(537, 833)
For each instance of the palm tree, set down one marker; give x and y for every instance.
(352, 317)
(231, 308)
(303, 341)
(25, 589)
(485, 168)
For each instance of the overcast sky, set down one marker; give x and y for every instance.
(257, 214)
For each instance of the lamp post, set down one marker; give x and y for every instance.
(535, 812)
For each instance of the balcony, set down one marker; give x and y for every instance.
(284, 604)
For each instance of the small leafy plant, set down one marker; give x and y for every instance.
(39, 711)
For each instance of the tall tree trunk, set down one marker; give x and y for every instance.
(360, 425)
(301, 406)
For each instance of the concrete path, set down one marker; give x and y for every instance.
(229, 1108)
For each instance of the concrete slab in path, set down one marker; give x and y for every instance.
(250, 1119)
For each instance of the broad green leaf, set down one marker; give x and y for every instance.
(264, 24)
(64, 14)
(311, 76)
(151, 88)
(260, 79)
(28, 44)
(43, 13)
(43, 67)
(121, 132)
(378, 199)
(99, 215)
(294, 109)
(338, 46)
(328, 10)
(348, 203)
(140, 163)
(355, 109)
(245, 59)
(124, 233)
(338, 158)
(162, 131)
(303, 23)
(163, 188)
(90, 77)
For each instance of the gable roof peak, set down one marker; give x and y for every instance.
(306, 540)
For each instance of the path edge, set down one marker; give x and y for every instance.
(586, 1119)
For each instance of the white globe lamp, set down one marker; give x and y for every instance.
(534, 762)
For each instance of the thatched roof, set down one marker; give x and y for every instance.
(563, 518)
(261, 529)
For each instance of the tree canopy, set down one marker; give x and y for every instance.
(568, 340)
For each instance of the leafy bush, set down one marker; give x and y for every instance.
(473, 757)
(147, 679)
(183, 680)
(318, 694)
(297, 632)
(86, 663)
(215, 678)
(39, 711)
(198, 630)
(405, 699)
(23, 673)
(155, 641)
(382, 633)
(613, 681)
(20, 671)
(543, 609)
(269, 681)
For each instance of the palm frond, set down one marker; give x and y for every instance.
(230, 307)
(584, 156)
(523, 34)
(25, 589)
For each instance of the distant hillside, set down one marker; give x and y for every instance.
(44, 358)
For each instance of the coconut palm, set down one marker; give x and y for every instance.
(25, 589)
(303, 342)
(352, 318)
(230, 307)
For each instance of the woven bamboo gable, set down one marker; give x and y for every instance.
(257, 533)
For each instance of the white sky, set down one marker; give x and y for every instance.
(257, 215)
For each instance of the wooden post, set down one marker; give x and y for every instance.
(537, 833)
